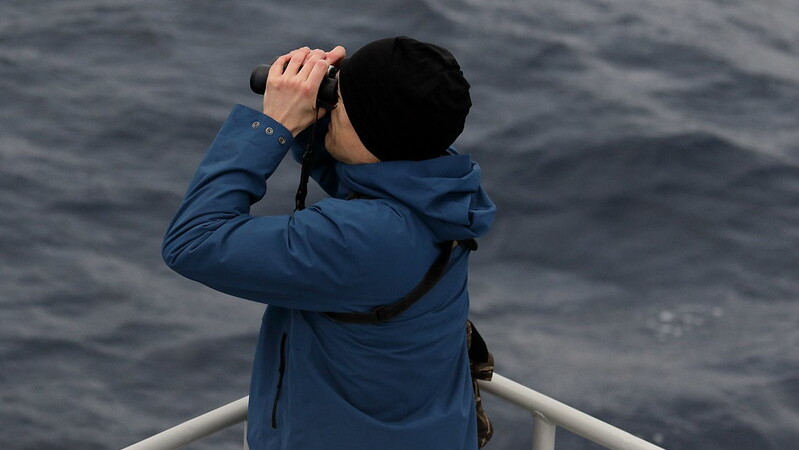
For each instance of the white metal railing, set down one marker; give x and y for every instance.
(548, 414)
(196, 428)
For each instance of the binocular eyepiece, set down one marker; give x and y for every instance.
(327, 97)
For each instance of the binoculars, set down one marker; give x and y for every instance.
(328, 89)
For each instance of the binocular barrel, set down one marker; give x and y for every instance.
(258, 78)
(328, 89)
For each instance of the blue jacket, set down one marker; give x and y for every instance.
(317, 383)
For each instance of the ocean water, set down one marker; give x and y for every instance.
(644, 156)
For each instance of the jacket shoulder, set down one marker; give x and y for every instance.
(387, 245)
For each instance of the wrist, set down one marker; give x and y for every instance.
(289, 125)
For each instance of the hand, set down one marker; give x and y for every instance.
(290, 96)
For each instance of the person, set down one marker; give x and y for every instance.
(398, 192)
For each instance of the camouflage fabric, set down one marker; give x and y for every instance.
(481, 363)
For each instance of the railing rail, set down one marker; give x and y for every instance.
(548, 414)
(197, 428)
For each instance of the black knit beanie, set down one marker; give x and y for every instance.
(406, 100)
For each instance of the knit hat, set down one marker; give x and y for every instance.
(406, 100)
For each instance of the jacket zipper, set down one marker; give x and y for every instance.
(281, 371)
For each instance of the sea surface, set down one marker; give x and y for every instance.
(643, 154)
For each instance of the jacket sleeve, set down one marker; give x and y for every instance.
(323, 166)
(304, 261)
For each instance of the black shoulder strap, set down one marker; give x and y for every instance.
(387, 312)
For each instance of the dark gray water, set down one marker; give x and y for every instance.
(644, 156)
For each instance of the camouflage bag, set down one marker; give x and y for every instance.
(481, 363)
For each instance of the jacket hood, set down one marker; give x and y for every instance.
(445, 192)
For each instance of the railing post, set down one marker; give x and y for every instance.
(543, 432)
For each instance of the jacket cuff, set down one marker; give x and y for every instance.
(256, 128)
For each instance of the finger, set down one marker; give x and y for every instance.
(316, 52)
(317, 73)
(297, 58)
(277, 66)
(310, 63)
(335, 56)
